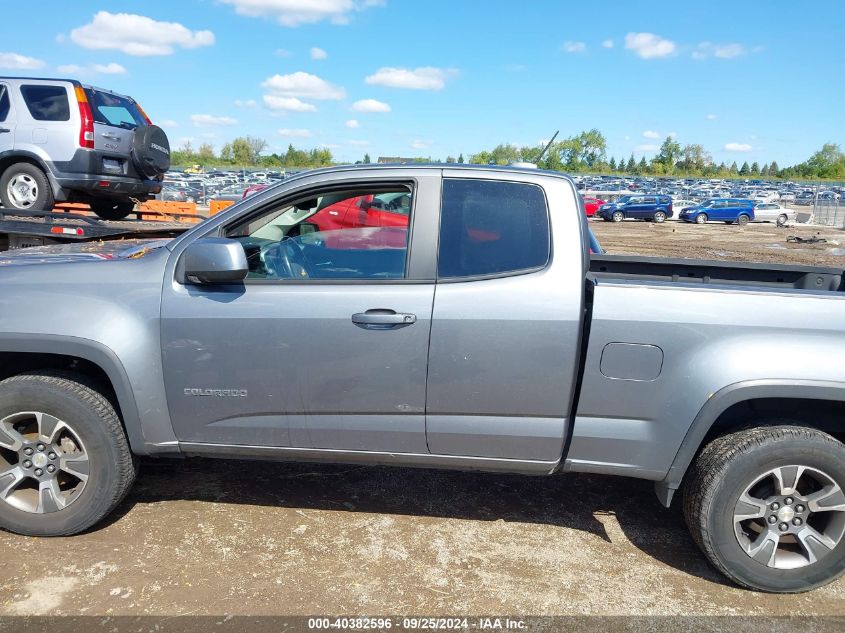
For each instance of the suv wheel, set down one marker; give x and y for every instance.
(742, 220)
(112, 209)
(618, 216)
(24, 186)
(701, 218)
(767, 508)
(64, 458)
(659, 216)
(782, 219)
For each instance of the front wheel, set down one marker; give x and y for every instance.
(659, 217)
(782, 219)
(701, 218)
(767, 508)
(618, 216)
(742, 220)
(65, 462)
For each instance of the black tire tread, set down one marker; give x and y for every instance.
(36, 172)
(88, 391)
(709, 468)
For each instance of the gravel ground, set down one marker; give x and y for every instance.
(217, 537)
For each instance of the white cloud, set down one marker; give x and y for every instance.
(248, 103)
(287, 104)
(102, 69)
(295, 133)
(706, 50)
(424, 78)
(651, 134)
(646, 147)
(738, 147)
(168, 123)
(649, 45)
(359, 143)
(302, 84)
(20, 62)
(574, 47)
(711, 117)
(206, 120)
(370, 105)
(295, 12)
(137, 35)
(318, 53)
(607, 43)
(353, 123)
(418, 144)
(283, 52)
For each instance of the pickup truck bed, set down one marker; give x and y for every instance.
(654, 269)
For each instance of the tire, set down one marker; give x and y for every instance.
(741, 464)
(743, 219)
(782, 219)
(112, 209)
(660, 216)
(701, 218)
(92, 442)
(618, 216)
(24, 186)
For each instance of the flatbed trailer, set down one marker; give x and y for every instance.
(22, 229)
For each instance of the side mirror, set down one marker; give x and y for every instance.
(214, 260)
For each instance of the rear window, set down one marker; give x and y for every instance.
(46, 103)
(114, 110)
(4, 103)
(489, 227)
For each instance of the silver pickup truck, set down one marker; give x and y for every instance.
(432, 316)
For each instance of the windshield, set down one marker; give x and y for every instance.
(114, 110)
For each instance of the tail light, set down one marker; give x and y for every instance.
(86, 126)
(143, 114)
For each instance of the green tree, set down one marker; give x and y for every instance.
(461, 158)
(612, 164)
(669, 154)
(631, 166)
(745, 169)
(205, 153)
(764, 170)
(734, 169)
(367, 159)
(774, 170)
(755, 168)
(694, 158)
(642, 167)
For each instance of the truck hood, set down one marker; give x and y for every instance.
(81, 252)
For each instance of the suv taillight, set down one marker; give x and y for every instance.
(86, 125)
(143, 114)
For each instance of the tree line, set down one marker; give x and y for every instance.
(582, 153)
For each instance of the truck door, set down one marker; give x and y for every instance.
(507, 318)
(7, 120)
(323, 346)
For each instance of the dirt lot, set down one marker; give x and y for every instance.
(216, 537)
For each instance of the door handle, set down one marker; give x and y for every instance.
(383, 319)
(4, 130)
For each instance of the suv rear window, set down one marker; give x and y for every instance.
(46, 103)
(489, 227)
(114, 110)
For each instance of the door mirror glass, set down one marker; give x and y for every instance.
(214, 261)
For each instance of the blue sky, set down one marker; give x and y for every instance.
(750, 81)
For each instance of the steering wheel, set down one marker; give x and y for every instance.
(285, 260)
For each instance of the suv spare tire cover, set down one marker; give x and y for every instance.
(150, 151)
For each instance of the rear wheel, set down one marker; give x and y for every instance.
(701, 218)
(767, 508)
(112, 209)
(659, 216)
(782, 219)
(65, 462)
(24, 186)
(618, 216)
(742, 220)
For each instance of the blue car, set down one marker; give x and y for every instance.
(727, 210)
(640, 207)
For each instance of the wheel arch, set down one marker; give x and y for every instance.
(20, 353)
(819, 404)
(11, 157)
